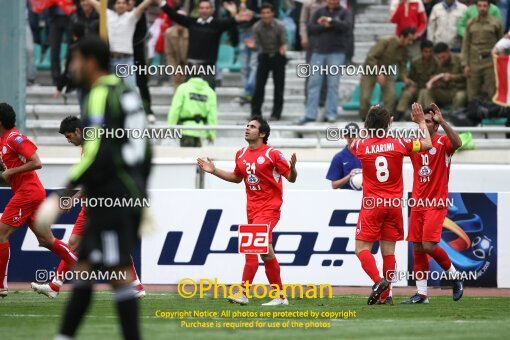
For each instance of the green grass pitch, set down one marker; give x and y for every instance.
(26, 315)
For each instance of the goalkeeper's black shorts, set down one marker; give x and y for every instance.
(110, 236)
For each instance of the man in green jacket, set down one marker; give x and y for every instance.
(194, 104)
(472, 12)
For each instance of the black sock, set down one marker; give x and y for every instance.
(76, 308)
(127, 307)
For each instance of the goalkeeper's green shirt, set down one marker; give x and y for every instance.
(113, 166)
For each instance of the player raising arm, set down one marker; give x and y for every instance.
(381, 161)
(262, 168)
(430, 184)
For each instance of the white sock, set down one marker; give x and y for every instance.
(58, 282)
(421, 285)
(452, 272)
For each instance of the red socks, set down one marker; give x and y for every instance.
(421, 268)
(441, 258)
(136, 281)
(389, 265)
(273, 274)
(58, 281)
(5, 252)
(250, 268)
(272, 270)
(63, 251)
(421, 265)
(368, 263)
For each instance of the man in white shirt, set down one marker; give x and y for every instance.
(442, 24)
(121, 25)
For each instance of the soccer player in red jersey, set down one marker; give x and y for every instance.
(381, 161)
(19, 160)
(262, 168)
(71, 128)
(431, 174)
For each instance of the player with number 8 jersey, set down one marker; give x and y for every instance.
(261, 167)
(381, 161)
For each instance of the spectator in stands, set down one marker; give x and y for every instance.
(344, 163)
(422, 69)
(270, 39)
(248, 57)
(409, 13)
(139, 47)
(500, 51)
(386, 52)
(205, 32)
(194, 104)
(329, 29)
(472, 12)
(429, 4)
(442, 24)
(308, 10)
(121, 25)
(448, 85)
(31, 70)
(86, 15)
(65, 80)
(58, 33)
(482, 33)
(350, 5)
(502, 47)
(176, 49)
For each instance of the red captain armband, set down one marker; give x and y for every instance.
(416, 145)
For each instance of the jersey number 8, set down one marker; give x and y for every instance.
(381, 167)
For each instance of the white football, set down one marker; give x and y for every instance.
(356, 181)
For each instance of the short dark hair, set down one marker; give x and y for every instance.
(267, 5)
(69, 124)
(208, 1)
(427, 110)
(7, 116)
(78, 29)
(377, 118)
(441, 47)
(426, 44)
(407, 31)
(264, 127)
(93, 47)
(487, 1)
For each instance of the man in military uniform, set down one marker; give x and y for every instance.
(450, 88)
(482, 33)
(422, 68)
(386, 52)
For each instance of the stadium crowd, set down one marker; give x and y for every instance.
(444, 50)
